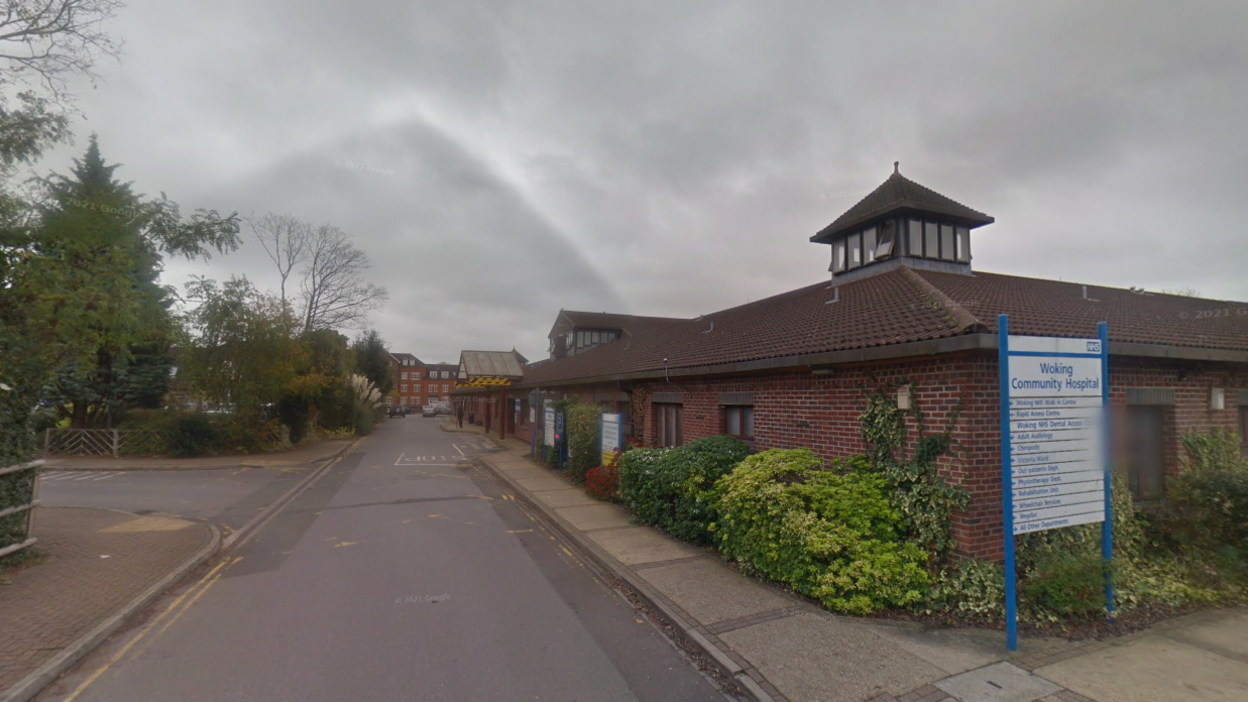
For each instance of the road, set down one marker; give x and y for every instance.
(403, 573)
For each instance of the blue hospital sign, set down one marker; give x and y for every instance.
(1054, 443)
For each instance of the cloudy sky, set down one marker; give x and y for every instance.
(500, 160)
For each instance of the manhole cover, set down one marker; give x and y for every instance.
(1000, 682)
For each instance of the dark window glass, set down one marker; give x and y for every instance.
(916, 238)
(946, 242)
(931, 240)
(884, 248)
(739, 422)
(670, 421)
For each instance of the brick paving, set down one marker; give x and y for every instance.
(50, 604)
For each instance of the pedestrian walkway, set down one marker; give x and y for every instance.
(312, 453)
(96, 563)
(781, 647)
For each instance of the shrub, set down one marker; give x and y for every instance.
(639, 488)
(1066, 586)
(1216, 450)
(672, 488)
(601, 482)
(191, 435)
(830, 535)
(1208, 513)
(969, 590)
(582, 424)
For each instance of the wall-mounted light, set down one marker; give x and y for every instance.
(903, 397)
(1217, 399)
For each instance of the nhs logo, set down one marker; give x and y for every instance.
(1094, 346)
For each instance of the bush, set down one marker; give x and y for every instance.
(190, 435)
(830, 535)
(1068, 586)
(583, 424)
(601, 482)
(972, 590)
(672, 488)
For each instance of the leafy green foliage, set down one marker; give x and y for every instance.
(918, 491)
(969, 590)
(583, 424)
(191, 435)
(1216, 450)
(673, 488)
(1066, 586)
(830, 535)
(373, 361)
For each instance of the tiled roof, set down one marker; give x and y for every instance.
(900, 194)
(905, 305)
(400, 357)
(442, 366)
(630, 324)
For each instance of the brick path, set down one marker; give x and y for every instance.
(49, 605)
(312, 453)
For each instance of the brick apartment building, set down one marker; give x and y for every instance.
(417, 383)
(905, 306)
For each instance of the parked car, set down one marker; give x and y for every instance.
(429, 411)
(398, 410)
(441, 407)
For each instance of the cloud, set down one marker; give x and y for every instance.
(500, 160)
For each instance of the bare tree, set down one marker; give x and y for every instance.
(335, 293)
(286, 239)
(51, 39)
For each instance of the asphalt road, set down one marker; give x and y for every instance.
(401, 574)
(228, 498)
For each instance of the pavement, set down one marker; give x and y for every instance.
(780, 647)
(400, 571)
(317, 452)
(99, 567)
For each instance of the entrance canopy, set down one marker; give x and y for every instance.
(488, 369)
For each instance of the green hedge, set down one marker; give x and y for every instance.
(672, 488)
(829, 535)
(583, 424)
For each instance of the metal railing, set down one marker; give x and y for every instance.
(103, 442)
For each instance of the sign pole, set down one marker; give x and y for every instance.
(1007, 483)
(1107, 526)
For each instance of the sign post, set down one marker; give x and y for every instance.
(1055, 451)
(612, 435)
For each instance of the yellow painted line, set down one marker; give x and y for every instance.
(345, 543)
(142, 633)
(519, 531)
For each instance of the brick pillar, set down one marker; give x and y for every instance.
(502, 414)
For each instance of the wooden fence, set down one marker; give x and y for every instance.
(104, 442)
(18, 538)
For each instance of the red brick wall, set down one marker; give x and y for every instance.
(799, 409)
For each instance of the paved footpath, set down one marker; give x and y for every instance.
(780, 647)
(96, 563)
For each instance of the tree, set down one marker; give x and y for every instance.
(373, 361)
(244, 352)
(335, 294)
(285, 239)
(83, 291)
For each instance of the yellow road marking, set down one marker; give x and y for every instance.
(143, 632)
(519, 531)
(345, 543)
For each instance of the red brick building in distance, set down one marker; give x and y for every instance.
(904, 306)
(416, 383)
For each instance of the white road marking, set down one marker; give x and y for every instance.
(106, 476)
(457, 448)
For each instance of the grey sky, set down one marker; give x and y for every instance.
(501, 160)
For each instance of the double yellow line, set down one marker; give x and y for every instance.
(170, 615)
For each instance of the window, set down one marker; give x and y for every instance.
(931, 241)
(446, 388)
(964, 244)
(838, 256)
(855, 250)
(669, 421)
(868, 245)
(884, 248)
(403, 387)
(404, 375)
(739, 421)
(1146, 463)
(916, 238)
(946, 242)
(597, 337)
(580, 338)
(416, 389)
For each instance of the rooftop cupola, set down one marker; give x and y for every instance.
(901, 222)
